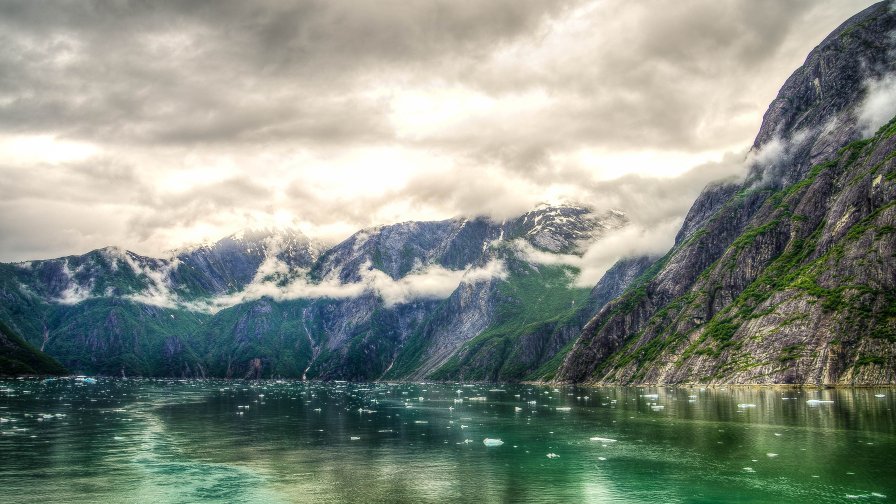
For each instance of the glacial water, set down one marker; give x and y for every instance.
(160, 441)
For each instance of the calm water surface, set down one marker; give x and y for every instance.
(161, 441)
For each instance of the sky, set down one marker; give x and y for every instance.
(154, 125)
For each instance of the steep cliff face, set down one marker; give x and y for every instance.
(786, 278)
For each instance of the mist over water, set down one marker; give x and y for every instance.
(283, 441)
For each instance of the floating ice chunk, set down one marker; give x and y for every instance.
(355, 438)
(603, 439)
(880, 395)
(771, 455)
(553, 455)
(813, 402)
(650, 396)
(749, 470)
(658, 407)
(746, 405)
(478, 398)
(563, 409)
(601, 458)
(421, 421)
(517, 409)
(492, 442)
(468, 441)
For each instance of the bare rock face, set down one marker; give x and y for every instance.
(787, 278)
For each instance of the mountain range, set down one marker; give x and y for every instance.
(409, 300)
(784, 276)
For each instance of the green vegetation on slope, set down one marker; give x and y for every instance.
(17, 357)
(536, 304)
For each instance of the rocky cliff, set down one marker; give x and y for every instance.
(787, 277)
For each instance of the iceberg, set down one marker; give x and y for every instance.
(492, 442)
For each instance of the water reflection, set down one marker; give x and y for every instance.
(225, 441)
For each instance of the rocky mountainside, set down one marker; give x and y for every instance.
(414, 299)
(425, 292)
(789, 276)
(17, 357)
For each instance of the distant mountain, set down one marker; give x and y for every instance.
(790, 276)
(415, 299)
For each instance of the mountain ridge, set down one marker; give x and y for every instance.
(261, 305)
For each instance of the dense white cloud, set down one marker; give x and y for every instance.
(431, 282)
(150, 125)
(879, 105)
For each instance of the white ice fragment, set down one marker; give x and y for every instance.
(603, 439)
(771, 455)
(880, 395)
(492, 442)
(749, 470)
(746, 405)
(563, 409)
(553, 455)
(355, 438)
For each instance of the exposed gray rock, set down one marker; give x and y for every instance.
(789, 278)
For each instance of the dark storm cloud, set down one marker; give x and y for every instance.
(235, 71)
(282, 89)
(227, 71)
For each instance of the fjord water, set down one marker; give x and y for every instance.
(271, 441)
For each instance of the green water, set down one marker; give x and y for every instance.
(162, 441)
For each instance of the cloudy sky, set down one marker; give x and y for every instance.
(152, 125)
